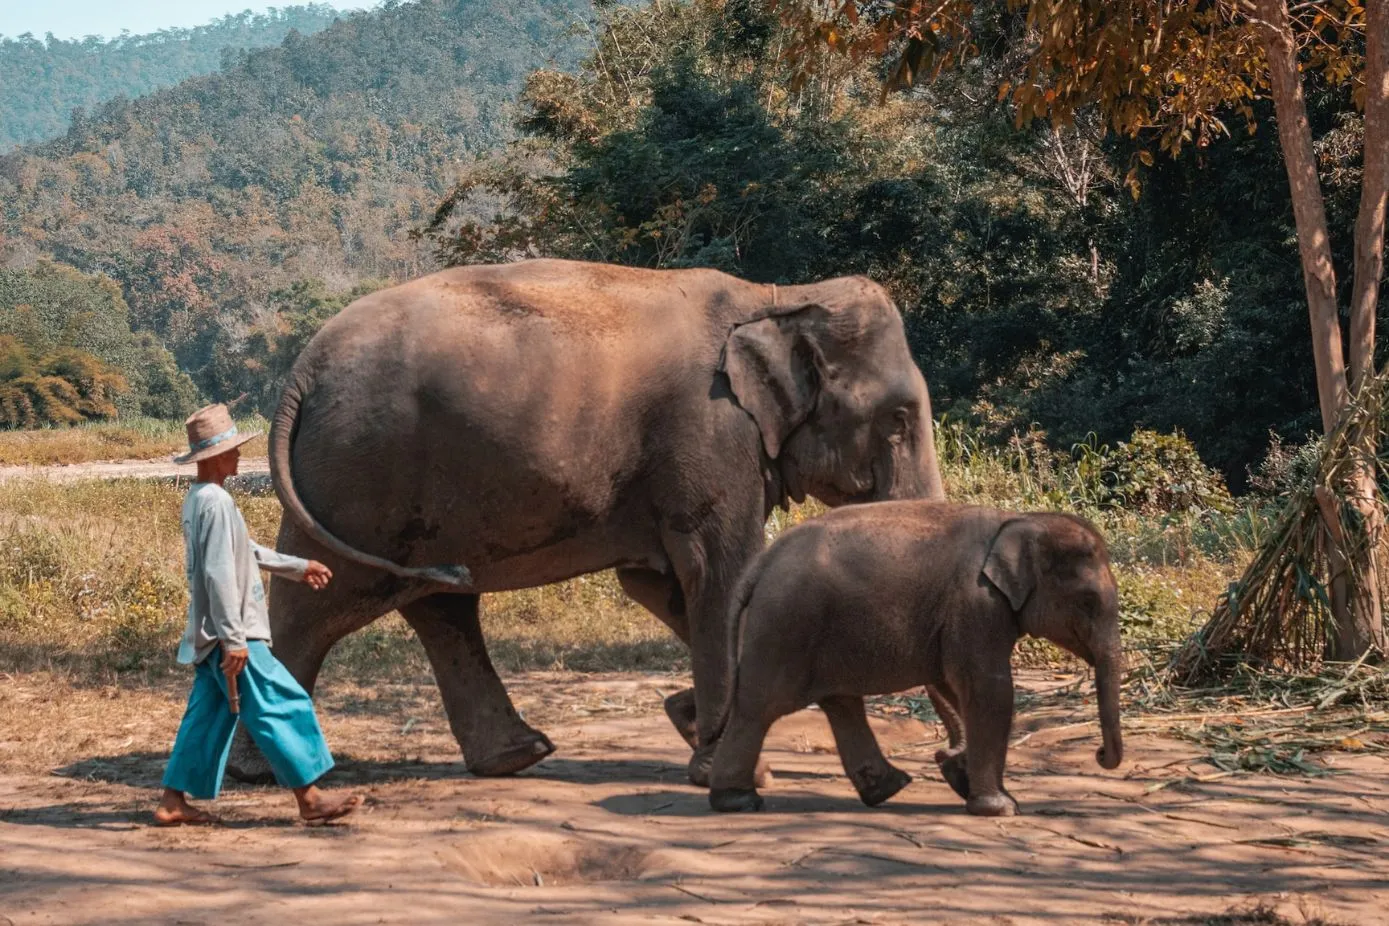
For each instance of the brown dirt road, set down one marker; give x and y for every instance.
(607, 830)
(120, 469)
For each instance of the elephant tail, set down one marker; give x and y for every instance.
(738, 605)
(282, 433)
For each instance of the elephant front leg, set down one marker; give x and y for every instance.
(660, 593)
(708, 567)
(988, 721)
(493, 737)
(875, 778)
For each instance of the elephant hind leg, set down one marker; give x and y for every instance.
(660, 593)
(493, 737)
(875, 778)
(953, 761)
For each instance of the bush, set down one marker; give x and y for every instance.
(1286, 467)
(62, 388)
(1155, 473)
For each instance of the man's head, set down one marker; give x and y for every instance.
(213, 443)
(219, 468)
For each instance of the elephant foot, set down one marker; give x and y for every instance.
(246, 764)
(680, 708)
(998, 804)
(735, 800)
(877, 784)
(249, 774)
(955, 770)
(521, 753)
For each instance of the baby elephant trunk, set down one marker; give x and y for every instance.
(1107, 672)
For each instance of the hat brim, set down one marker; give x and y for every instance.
(216, 450)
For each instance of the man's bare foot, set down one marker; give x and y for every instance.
(317, 807)
(174, 810)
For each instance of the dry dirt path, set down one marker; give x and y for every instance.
(608, 831)
(119, 469)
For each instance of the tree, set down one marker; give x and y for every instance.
(1172, 71)
(52, 312)
(63, 388)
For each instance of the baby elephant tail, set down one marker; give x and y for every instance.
(742, 594)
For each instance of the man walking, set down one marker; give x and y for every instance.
(228, 640)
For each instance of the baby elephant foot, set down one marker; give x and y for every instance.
(998, 804)
(735, 800)
(702, 766)
(955, 770)
(680, 708)
(876, 784)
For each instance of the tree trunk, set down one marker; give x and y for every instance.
(1369, 226)
(1357, 617)
(1313, 239)
(1365, 627)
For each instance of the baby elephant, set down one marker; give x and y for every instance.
(880, 597)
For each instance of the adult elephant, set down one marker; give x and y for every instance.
(499, 427)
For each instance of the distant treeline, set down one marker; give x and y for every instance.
(45, 79)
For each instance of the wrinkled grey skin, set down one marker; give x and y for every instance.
(884, 597)
(502, 427)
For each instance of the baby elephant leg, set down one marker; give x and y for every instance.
(733, 780)
(873, 776)
(988, 719)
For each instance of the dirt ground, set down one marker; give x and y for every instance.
(607, 830)
(120, 469)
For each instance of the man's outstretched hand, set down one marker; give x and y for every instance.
(317, 575)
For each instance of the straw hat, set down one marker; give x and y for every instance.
(211, 432)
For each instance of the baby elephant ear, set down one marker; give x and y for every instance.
(1012, 562)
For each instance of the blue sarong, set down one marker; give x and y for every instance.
(278, 715)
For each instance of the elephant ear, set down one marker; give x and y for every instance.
(774, 369)
(1012, 562)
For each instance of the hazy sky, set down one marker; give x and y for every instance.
(69, 19)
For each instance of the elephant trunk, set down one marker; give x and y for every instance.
(911, 470)
(932, 486)
(1107, 672)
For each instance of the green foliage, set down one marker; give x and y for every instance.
(678, 145)
(307, 160)
(62, 388)
(1161, 474)
(258, 363)
(83, 361)
(45, 80)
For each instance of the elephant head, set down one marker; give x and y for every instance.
(1053, 569)
(843, 411)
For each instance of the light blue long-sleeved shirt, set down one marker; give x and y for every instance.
(226, 600)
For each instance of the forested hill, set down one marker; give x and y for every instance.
(308, 161)
(44, 81)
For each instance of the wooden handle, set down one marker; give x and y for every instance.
(232, 695)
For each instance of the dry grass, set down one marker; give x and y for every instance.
(92, 585)
(131, 439)
(1279, 613)
(1259, 915)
